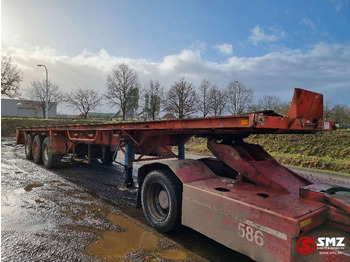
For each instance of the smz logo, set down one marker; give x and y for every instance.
(306, 245)
(331, 242)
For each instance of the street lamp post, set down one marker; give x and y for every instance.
(47, 94)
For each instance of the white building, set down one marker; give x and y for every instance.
(25, 108)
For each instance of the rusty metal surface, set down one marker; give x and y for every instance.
(338, 202)
(190, 170)
(279, 206)
(280, 219)
(222, 219)
(254, 163)
(155, 137)
(306, 104)
(258, 197)
(305, 116)
(245, 124)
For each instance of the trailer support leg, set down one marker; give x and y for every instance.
(181, 151)
(129, 159)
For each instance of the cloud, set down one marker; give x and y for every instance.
(325, 68)
(323, 49)
(258, 35)
(199, 46)
(339, 4)
(308, 21)
(224, 48)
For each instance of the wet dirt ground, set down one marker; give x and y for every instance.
(80, 212)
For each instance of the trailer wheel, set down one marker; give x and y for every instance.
(36, 149)
(28, 147)
(161, 199)
(50, 160)
(107, 156)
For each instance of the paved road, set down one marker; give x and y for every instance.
(327, 177)
(79, 213)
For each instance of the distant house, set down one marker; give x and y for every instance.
(24, 108)
(168, 116)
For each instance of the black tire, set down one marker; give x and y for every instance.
(28, 147)
(80, 155)
(36, 149)
(161, 199)
(107, 156)
(50, 160)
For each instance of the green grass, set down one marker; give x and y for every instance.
(314, 162)
(324, 150)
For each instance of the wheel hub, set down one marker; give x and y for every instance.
(35, 149)
(45, 153)
(163, 199)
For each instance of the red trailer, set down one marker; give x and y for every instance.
(243, 198)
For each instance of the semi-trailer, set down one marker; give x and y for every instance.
(241, 197)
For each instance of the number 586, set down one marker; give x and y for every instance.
(250, 234)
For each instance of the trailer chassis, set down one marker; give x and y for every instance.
(243, 198)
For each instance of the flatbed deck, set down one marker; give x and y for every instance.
(260, 122)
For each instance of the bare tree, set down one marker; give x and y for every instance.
(239, 97)
(154, 97)
(254, 108)
(11, 77)
(203, 98)
(83, 100)
(37, 92)
(341, 115)
(269, 103)
(217, 101)
(123, 88)
(182, 99)
(328, 110)
(283, 108)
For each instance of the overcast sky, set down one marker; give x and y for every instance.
(270, 46)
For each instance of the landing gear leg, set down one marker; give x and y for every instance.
(181, 151)
(129, 159)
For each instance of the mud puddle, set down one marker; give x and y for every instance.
(126, 238)
(130, 240)
(30, 187)
(12, 199)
